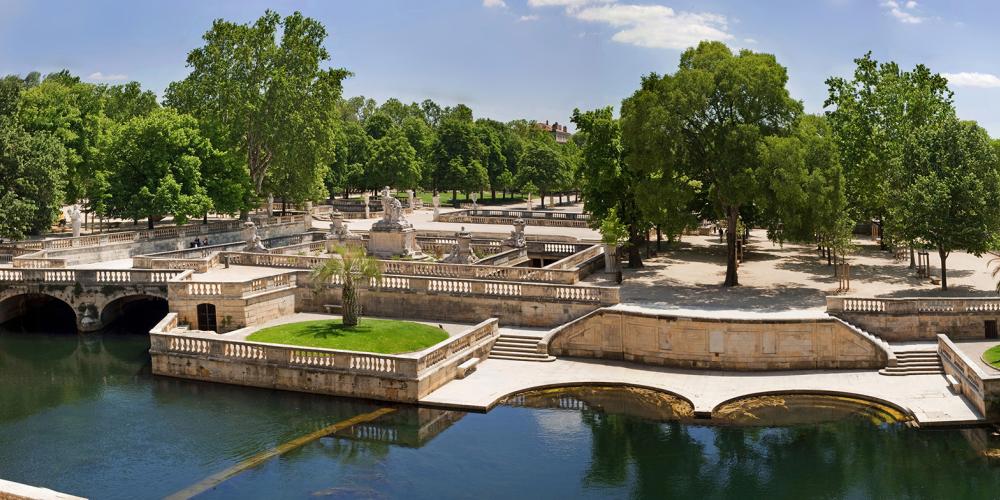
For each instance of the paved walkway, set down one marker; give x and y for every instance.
(927, 397)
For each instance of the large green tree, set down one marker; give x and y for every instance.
(950, 203)
(156, 162)
(713, 114)
(393, 162)
(544, 166)
(32, 179)
(261, 90)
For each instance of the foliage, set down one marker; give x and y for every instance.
(613, 231)
(156, 163)
(393, 161)
(348, 266)
(261, 92)
(32, 179)
(950, 203)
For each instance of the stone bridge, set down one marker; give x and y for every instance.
(96, 296)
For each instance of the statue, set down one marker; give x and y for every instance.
(411, 199)
(516, 239)
(339, 230)
(364, 201)
(437, 205)
(392, 209)
(475, 197)
(255, 243)
(74, 217)
(461, 251)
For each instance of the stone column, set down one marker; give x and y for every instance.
(364, 200)
(309, 215)
(437, 205)
(411, 199)
(609, 257)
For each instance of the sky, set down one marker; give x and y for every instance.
(536, 59)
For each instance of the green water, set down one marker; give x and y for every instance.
(83, 415)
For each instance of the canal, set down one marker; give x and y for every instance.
(82, 414)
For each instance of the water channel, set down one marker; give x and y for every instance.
(82, 414)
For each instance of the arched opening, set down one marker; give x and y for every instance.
(36, 312)
(635, 400)
(134, 313)
(206, 318)
(781, 408)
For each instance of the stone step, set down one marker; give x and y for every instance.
(518, 352)
(892, 372)
(919, 366)
(520, 358)
(518, 337)
(517, 343)
(913, 354)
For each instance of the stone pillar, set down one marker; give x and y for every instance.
(437, 205)
(610, 252)
(270, 205)
(411, 199)
(309, 215)
(364, 200)
(529, 203)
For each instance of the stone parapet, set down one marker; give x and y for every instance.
(724, 344)
(980, 387)
(906, 319)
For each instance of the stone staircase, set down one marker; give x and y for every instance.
(518, 348)
(915, 360)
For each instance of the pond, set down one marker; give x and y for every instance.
(82, 414)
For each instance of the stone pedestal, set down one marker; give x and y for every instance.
(610, 252)
(462, 251)
(386, 243)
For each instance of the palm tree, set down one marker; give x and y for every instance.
(347, 267)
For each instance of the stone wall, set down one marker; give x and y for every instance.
(687, 342)
(234, 310)
(981, 388)
(907, 319)
(401, 378)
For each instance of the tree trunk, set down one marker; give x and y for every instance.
(349, 303)
(828, 260)
(493, 194)
(944, 268)
(913, 259)
(543, 208)
(204, 219)
(732, 217)
(659, 239)
(149, 222)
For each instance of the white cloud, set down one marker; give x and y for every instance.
(569, 4)
(528, 18)
(750, 41)
(101, 77)
(971, 79)
(903, 12)
(655, 26)
(494, 4)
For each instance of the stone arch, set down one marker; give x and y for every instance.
(18, 304)
(820, 392)
(561, 385)
(120, 306)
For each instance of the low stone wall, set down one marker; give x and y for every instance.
(515, 304)
(504, 217)
(401, 378)
(980, 388)
(906, 319)
(723, 344)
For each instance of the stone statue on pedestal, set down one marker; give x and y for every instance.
(364, 201)
(393, 236)
(411, 199)
(255, 243)
(392, 209)
(437, 205)
(339, 230)
(461, 252)
(516, 239)
(475, 198)
(74, 217)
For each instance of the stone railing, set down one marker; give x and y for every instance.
(87, 277)
(555, 249)
(980, 386)
(502, 290)
(164, 338)
(532, 214)
(912, 305)
(189, 288)
(577, 259)
(476, 217)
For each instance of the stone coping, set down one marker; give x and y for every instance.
(10, 490)
(726, 314)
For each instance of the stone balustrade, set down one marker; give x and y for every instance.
(394, 377)
(87, 277)
(576, 259)
(902, 319)
(980, 386)
(505, 217)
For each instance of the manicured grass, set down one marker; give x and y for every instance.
(427, 198)
(383, 336)
(992, 356)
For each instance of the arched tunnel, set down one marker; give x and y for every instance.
(36, 312)
(134, 313)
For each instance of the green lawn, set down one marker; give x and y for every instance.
(383, 336)
(427, 198)
(992, 356)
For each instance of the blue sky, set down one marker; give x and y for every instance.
(525, 58)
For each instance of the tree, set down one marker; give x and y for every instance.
(393, 162)
(608, 187)
(951, 202)
(351, 158)
(347, 267)
(713, 115)
(544, 167)
(156, 164)
(456, 147)
(32, 179)
(261, 91)
(873, 117)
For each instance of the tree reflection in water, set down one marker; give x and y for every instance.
(791, 446)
